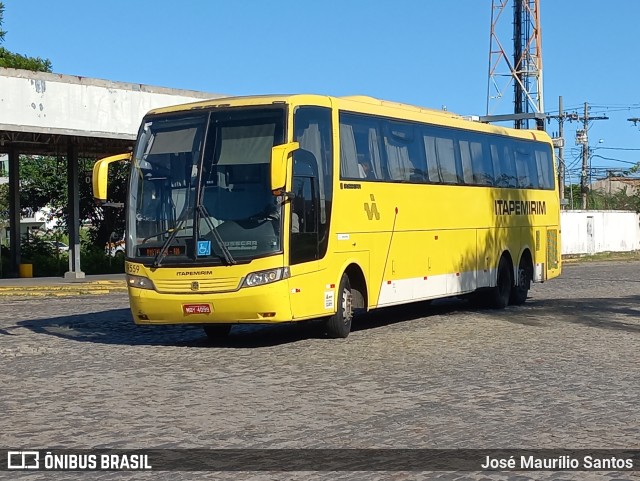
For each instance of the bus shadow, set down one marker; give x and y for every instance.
(116, 326)
(387, 316)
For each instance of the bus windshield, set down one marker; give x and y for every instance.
(200, 188)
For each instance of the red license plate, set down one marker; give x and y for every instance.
(196, 309)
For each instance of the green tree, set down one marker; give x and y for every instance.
(15, 60)
(43, 182)
(104, 220)
(597, 200)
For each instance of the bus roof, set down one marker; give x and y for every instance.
(361, 104)
(299, 99)
(233, 102)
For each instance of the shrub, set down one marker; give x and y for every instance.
(93, 260)
(49, 262)
(46, 260)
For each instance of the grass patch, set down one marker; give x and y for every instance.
(603, 256)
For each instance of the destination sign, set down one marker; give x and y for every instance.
(154, 251)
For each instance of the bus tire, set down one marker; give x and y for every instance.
(217, 331)
(501, 293)
(519, 292)
(338, 326)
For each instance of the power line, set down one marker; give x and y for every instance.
(582, 138)
(598, 107)
(616, 148)
(614, 160)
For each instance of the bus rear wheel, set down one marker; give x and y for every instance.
(519, 292)
(217, 331)
(500, 295)
(338, 326)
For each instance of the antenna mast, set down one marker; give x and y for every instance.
(522, 69)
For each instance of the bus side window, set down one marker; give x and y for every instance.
(475, 160)
(404, 156)
(503, 163)
(508, 165)
(433, 172)
(447, 160)
(467, 163)
(360, 156)
(545, 169)
(373, 144)
(482, 165)
(526, 169)
(348, 153)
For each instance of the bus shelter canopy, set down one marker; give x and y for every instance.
(77, 117)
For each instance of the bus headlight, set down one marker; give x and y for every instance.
(266, 277)
(140, 282)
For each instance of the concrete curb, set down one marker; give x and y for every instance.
(63, 289)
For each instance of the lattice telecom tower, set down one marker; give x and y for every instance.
(523, 68)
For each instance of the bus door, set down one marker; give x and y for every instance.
(310, 208)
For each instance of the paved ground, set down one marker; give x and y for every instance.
(561, 371)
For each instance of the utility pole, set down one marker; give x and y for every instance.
(582, 137)
(585, 157)
(561, 151)
(559, 143)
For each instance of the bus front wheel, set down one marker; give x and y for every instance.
(339, 325)
(501, 294)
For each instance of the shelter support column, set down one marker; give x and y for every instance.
(73, 190)
(14, 211)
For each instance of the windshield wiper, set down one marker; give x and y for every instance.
(172, 231)
(214, 231)
(201, 210)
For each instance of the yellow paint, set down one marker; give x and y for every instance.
(100, 175)
(391, 232)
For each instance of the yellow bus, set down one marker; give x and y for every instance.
(273, 209)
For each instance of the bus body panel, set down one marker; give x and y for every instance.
(260, 304)
(411, 241)
(450, 248)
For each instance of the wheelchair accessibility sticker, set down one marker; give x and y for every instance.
(204, 248)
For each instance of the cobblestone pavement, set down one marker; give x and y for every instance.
(562, 371)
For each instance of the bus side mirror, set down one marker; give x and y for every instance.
(100, 175)
(280, 165)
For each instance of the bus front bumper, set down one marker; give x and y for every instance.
(260, 304)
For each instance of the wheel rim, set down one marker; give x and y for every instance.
(522, 279)
(347, 305)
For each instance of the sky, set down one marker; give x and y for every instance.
(432, 53)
